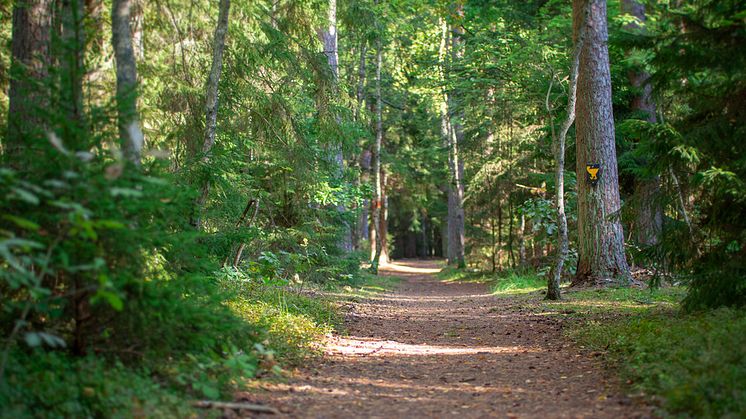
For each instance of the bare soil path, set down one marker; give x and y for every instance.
(437, 349)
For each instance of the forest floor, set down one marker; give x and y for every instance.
(434, 348)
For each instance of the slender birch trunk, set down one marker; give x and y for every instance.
(553, 287)
(211, 103)
(456, 191)
(377, 204)
(130, 132)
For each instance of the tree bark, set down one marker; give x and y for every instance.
(522, 241)
(72, 55)
(138, 29)
(383, 258)
(363, 222)
(130, 132)
(648, 222)
(365, 156)
(445, 133)
(211, 102)
(360, 96)
(30, 56)
(329, 37)
(377, 203)
(456, 185)
(601, 257)
(558, 143)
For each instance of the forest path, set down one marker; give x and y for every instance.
(438, 349)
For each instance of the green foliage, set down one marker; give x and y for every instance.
(695, 364)
(50, 384)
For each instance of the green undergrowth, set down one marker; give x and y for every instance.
(200, 348)
(453, 274)
(689, 365)
(508, 282)
(367, 285)
(56, 385)
(694, 365)
(293, 320)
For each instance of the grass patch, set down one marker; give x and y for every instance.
(368, 285)
(294, 323)
(453, 274)
(695, 365)
(615, 301)
(513, 283)
(505, 283)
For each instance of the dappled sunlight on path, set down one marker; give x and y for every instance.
(367, 347)
(436, 349)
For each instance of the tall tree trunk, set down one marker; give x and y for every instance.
(522, 241)
(30, 55)
(493, 256)
(130, 132)
(601, 258)
(456, 191)
(558, 144)
(138, 28)
(360, 94)
(511, 255)
(363, 222)
(329, 37)
(499, 250)
(211, 103)
(648, 222)
(72, 53)
(378, 203)
(425, 236)
(383, 257)
(366, 154)
(445, 133)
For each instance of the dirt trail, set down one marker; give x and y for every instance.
(435, 349)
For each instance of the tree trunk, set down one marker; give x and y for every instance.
(138, 28)
(499, 250)
(522, 241)
(648, 210)
(363, 222)
(130, 132)
(601, 258)
(30, 55)
(377, 203)
(328, 38)
(558, 144)
(511, 255)
(383, 257)
(445, 133)
(493, 256)
(456, 186)
(360, 96)
(71, 76)
(211, 103)
(425, 236)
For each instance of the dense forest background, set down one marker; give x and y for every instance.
(174, 171)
